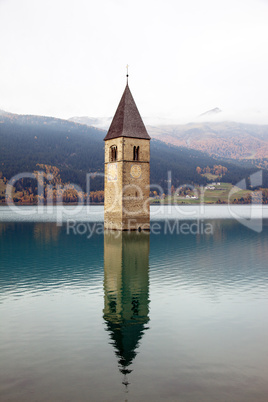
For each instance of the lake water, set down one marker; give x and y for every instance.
(179, 314)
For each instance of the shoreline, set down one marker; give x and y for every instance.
(102, 204)
(94, 214)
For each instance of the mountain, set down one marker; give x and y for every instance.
(219, 139)
(216, 110)
(77, 149)
(27, 140)
(228, 140)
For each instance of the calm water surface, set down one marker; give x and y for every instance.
(158, 317)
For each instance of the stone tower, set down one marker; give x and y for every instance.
(127, 169)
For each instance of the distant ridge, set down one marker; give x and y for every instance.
(76, 150)
(227, 139)
(216, 110)
(2, 112)
(222, 139)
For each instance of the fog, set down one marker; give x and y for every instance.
(67, 58)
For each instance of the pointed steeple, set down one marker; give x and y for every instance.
(127, 121)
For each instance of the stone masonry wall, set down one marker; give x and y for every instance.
(127, 190)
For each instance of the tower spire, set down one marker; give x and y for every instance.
(127, 73)
(127, 121)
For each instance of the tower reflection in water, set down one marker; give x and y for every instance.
(126, 293)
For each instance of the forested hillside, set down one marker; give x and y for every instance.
(27, 140)
(77, 149)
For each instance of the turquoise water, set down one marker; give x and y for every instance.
(163, 316)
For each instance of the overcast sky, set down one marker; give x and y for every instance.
(67, 58)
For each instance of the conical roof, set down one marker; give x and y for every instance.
(127, 121)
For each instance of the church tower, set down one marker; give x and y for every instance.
(127, 169)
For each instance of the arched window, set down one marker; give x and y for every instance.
(113, 153)
(136, 153)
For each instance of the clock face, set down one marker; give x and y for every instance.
(135, 171)
(112, 172)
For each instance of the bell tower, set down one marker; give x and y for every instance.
(127, 169)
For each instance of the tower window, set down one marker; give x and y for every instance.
(136, 153)
(113, 153)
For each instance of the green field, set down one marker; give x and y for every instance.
(224, 193)
(210, 176)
